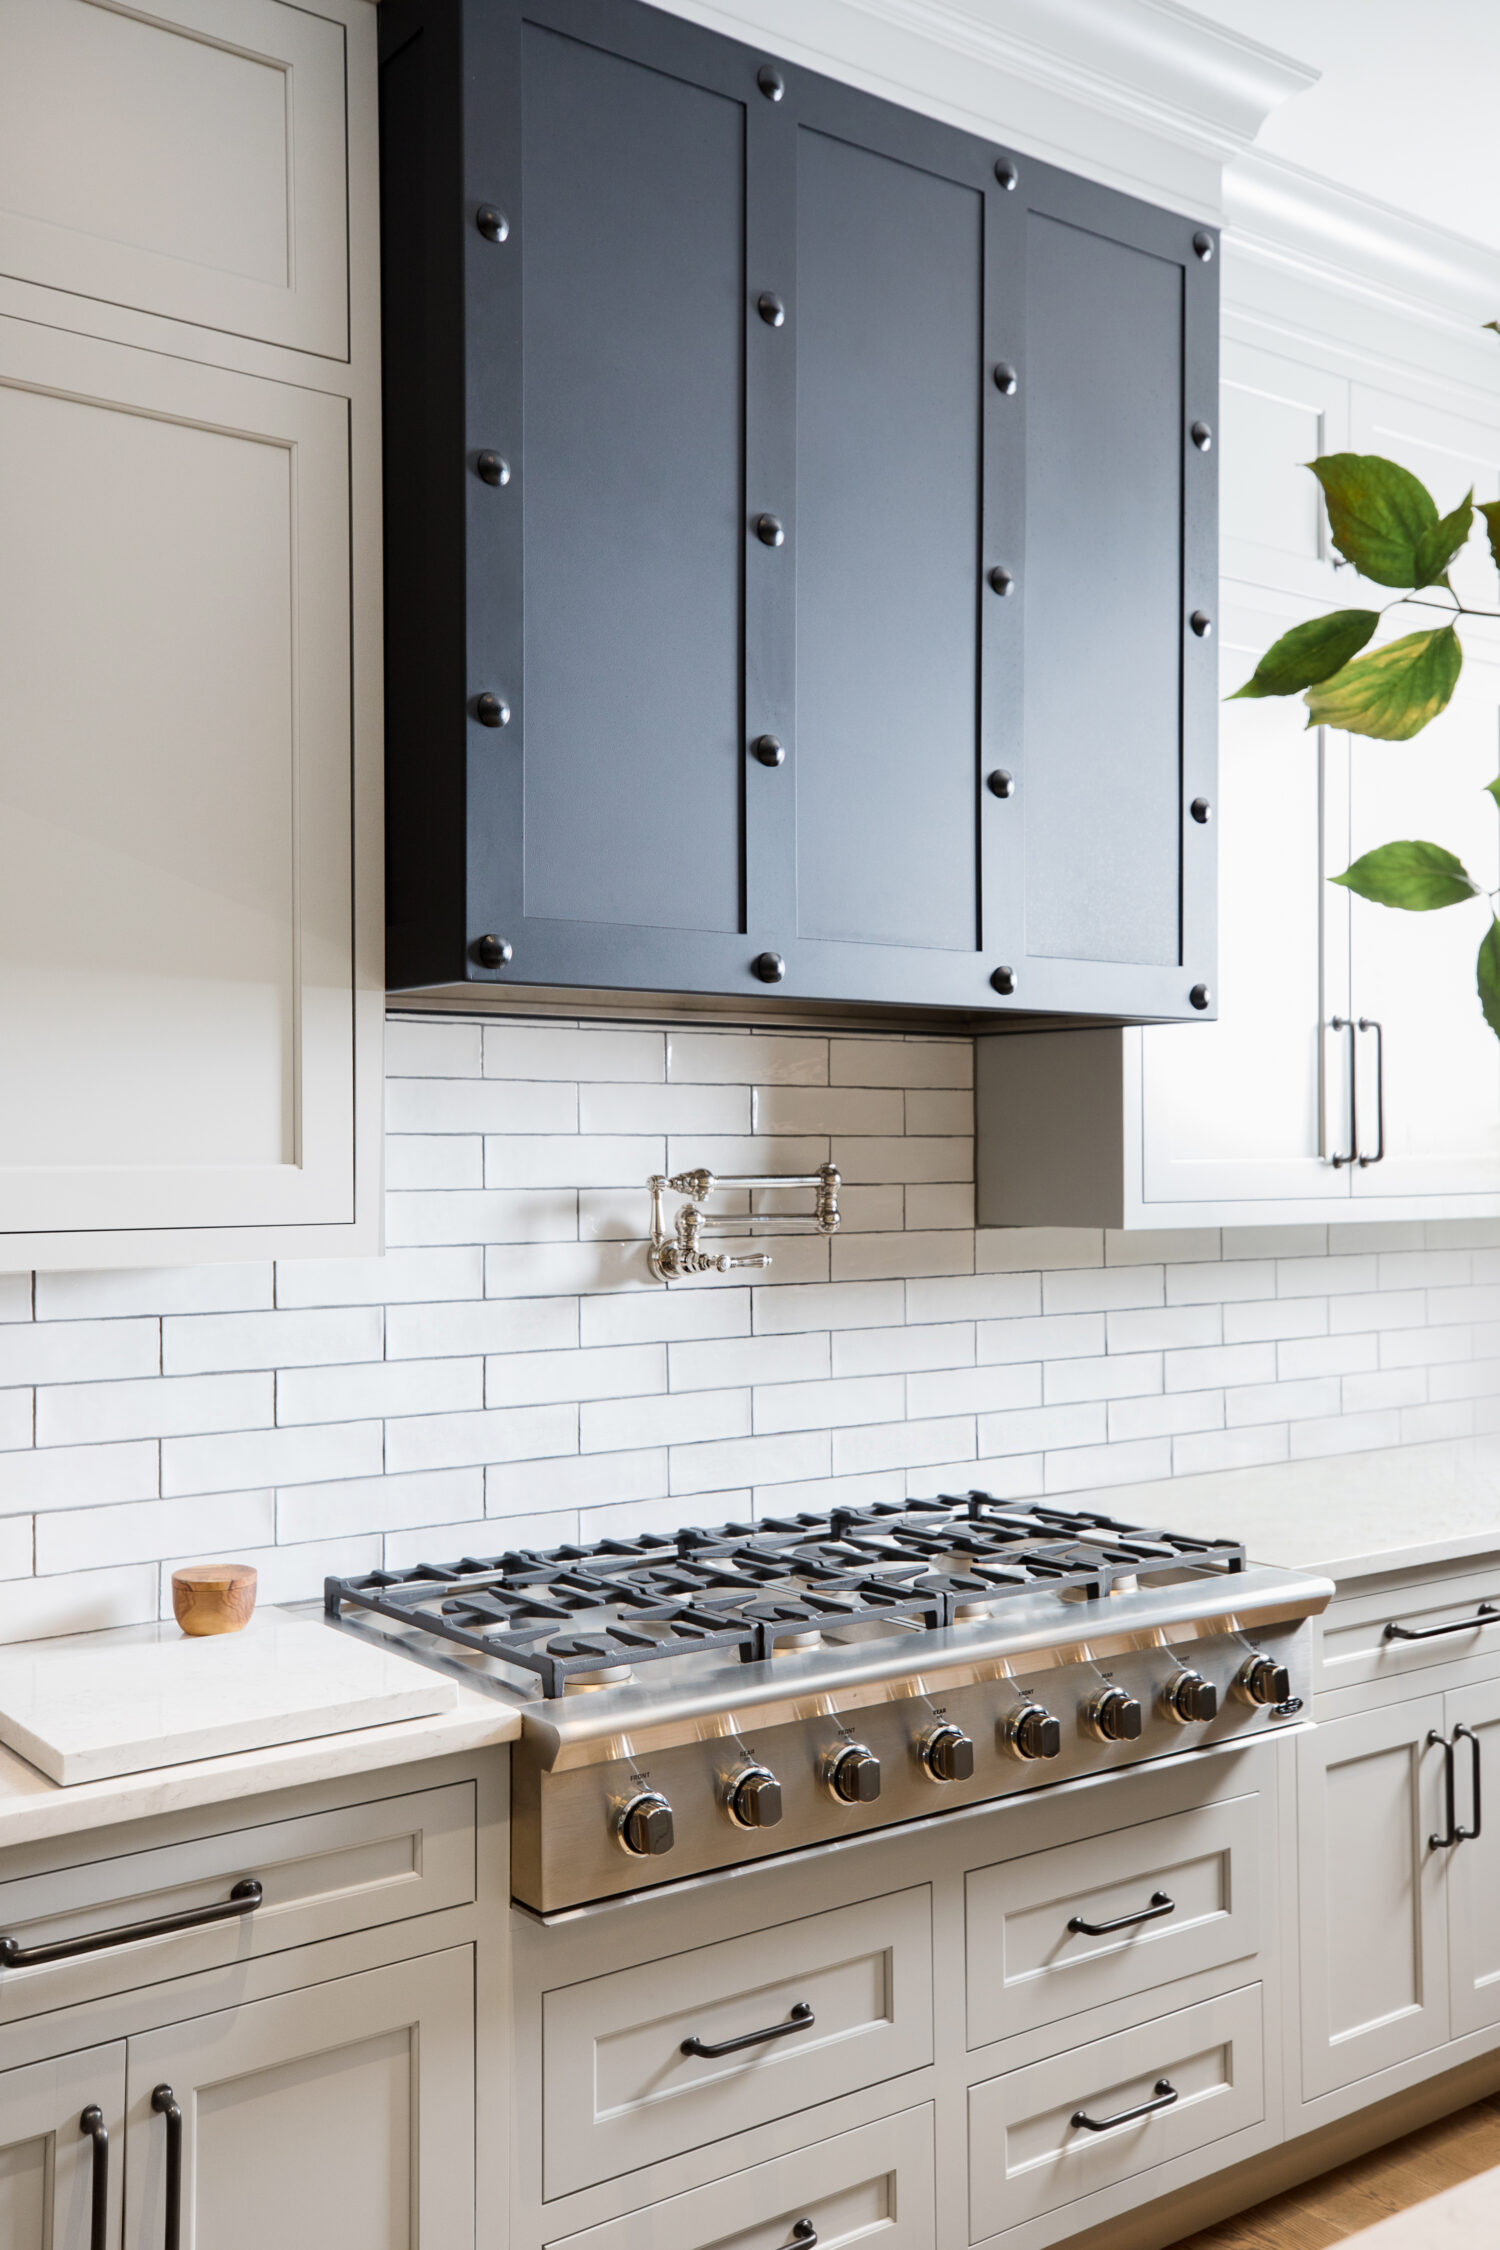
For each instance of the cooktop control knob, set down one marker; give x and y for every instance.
(947, 1754)
(645, 1826)
(1031, 1732)
(854, 1775)
(1190, 1699)
(1262, 1680)
(755, 1798)
(1113, 1716)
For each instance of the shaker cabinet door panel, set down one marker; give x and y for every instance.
(50, 2161)
(1474, 1864)
(176, 948)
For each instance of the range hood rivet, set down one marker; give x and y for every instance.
(492, 711)
(492, 224)
(493, 468)
(493, 952)
(1003, 980)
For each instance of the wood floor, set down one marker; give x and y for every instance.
(1342, 2205)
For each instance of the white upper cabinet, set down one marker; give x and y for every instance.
(190, 973)
(1275, 415)
(187, 160)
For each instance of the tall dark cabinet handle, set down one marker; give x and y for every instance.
(1345, 1023)
(243, 1899)
(164, 2101)
(1476, 1756)
(1369, 1023)
(1446, 1842)
(92, 2123)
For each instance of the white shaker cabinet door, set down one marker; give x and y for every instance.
(60, 2150)
(1472, 1717)
(341, 2115)
(177, 966)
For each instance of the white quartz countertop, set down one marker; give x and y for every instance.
(1350, 1516)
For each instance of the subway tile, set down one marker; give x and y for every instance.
(37, 1352)
(933, 1111)
(1425, 1347)
(940, 1203)
(617, 1214)
(1247, 1403)
(1298, 1356)
(728, 1154)
(564, 1269)
(913, 1161)
(637, 1517)
(1438, 1418)
(896, 1257)
(779, 1310)
(1121, 1375)
(745, 1058)
(899, 1351)
(663, 1315)
(1425, 1269)
(432, 1049)
(418, 1162)
(609, 1110)
(593, 1051)
(571, 1160)
(1157, 1328)
(1220, 1364)
(987, 1296)
(1345, 1433)
(1266, 1319)
(1383, 1386)
(15, 1296)
(78, 1476)
(424, 1220)
(528, 1378)
(1048, 1336)
(1104, 1289)
(1079, 1468)
(1212, 1450)
(480, 1106)
(17, 1420)
(866, 1210)
(162, 1406)
(1482, 1302)
(1044, 1429)
(445, 1541)
(1472, 1378)
(152, 1289)
(673, 1418)
(1165, 1246)
(827, 1406)
(1381, 1308)
(831, 1109)
(752, 1359)
(821, 1494)
(574, 1480)
(1221, 1284)
(1037, 1249)
(903, 1445)
(751, 1461)
(482, 1325)
(1276, 1242)
(1462, 1234)
(143, 1530)
(379, 1388)
(236, 1343)
(401, 1277)
(1379, 1235)
(1171, 1414)
(901, 1062)
(1326, 1277)
(17, 1547)
(396, 1503)
(237, 1460)
(83, 1601)
(457, 1441)
(1004, 1476)
(795, 1258)
(973, 1390)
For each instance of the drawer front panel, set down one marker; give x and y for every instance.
(321, 1875)
(1027, 1965)
(1356, 1648)
(619, 2091)
(1028, 2157)
(874, 2187)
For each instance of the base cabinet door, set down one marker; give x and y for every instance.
(60, 2175)
(1473, 1725)
(340, 2114)
(1372, 1879)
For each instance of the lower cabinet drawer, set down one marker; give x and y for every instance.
(1030, 2154)
(1085, 1923)
(1395, 1630)
(647, 2062)
(320, 1875)
(873, 2186)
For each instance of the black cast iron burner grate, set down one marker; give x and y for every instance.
(750, 1588)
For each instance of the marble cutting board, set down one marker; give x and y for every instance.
(99, 1704)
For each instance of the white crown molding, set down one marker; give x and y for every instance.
(1292, 219)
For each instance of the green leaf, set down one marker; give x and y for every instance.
(1488, 976)
(1415, 876)
(1436, 548)
(1495, 324)
(1311, 652)
(1494, 788)
(1490, 510)
(1378, 513)
(1394, 691)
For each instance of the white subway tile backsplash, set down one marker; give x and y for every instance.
(508, 1373)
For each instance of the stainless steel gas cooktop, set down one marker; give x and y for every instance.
(720, 1695)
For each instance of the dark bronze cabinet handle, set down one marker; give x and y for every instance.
(1165, 2094)
(1160, 1905)
(92, 2123)
(243, 1899)
(1470, 1835)
(804, 2236)
(1369, 1023)
(1486, 1614)
(800, 2019)
(164, 2102)
(1444, 1843)
(1346, 1023)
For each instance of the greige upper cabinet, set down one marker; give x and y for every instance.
(800, 560)
(190, 899)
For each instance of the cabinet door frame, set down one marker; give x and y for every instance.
(45, 2101)
(1474, 1986)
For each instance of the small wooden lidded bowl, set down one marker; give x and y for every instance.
(213, 1597)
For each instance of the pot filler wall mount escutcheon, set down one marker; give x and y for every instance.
(698, 1701)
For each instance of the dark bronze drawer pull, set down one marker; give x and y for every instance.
(804, 2236)
(164, 2101)
(92, 2123)
(1166, 2094)
(1160, 1905)
(800, 2019)
(1486, 1614)
(243, 1899)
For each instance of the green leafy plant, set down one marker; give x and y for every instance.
(1386, 524)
